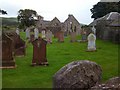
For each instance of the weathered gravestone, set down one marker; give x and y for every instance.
(77, 74)
(28, 33)
(43, 33)
(39, 52)
(94, 30)
(7, 52)
(84, 36)
(20, 47)
(36, 33)
(49, 36)
(17, 31)
(73, 36)
(32, 38)
(60, 36)
(111, 84)
(91, 42)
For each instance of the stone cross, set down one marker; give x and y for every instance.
(91, 42)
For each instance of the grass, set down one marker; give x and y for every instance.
(58, 55)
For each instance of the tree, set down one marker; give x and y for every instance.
(26, 18)
(102, 8)
(3, 12)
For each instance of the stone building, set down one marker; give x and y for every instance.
(55, 25)
(108, 27)
(72, 23)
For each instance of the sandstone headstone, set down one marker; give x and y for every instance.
(78, 74)
(91, 42)
(73, 36)
(60, 36)
(39, 52)
(20, 47)
(7, 52)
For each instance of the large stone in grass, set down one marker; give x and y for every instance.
(111, 84)
(78, 74)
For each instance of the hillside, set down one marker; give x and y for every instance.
(9, 21)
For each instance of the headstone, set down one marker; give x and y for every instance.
(43, 34)
(49, 36)
(7, 52)
(84, 36)
(73, 36)
(60, 36)
(81, 74)
(28, 33)
(91, 42)
(32, 37)
(39, 52)
(17, 31)
(36, 33)
(20, 47)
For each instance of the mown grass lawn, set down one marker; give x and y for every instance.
(58, 55)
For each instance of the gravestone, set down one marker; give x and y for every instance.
(60, 36)
(84, 37)
(91, 42)
(39, 52)
(7, 52)
(43, 33)
(20, 47)
(81, 74)
(73, 36)
(28, 33)
(32, 38)
(17, 31)
(49, 36)
(36, 33)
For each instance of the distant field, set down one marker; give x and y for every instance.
(58, 55)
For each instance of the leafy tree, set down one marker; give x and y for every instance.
(102, 8)
(3, 12)
(26, 17)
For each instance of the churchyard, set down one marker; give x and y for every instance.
(59, 54)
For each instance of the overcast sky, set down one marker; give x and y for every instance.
(52, 8)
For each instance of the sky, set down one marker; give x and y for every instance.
(52, 8)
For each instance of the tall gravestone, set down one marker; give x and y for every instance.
(73, 35)
(60, 36)
(43, 34)
(91, 42)
(17, 31)
(39, 52)
(20, 47)
(49, 36)
(36, 33)
(7, 52)
(84, 36)
(28, 33)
